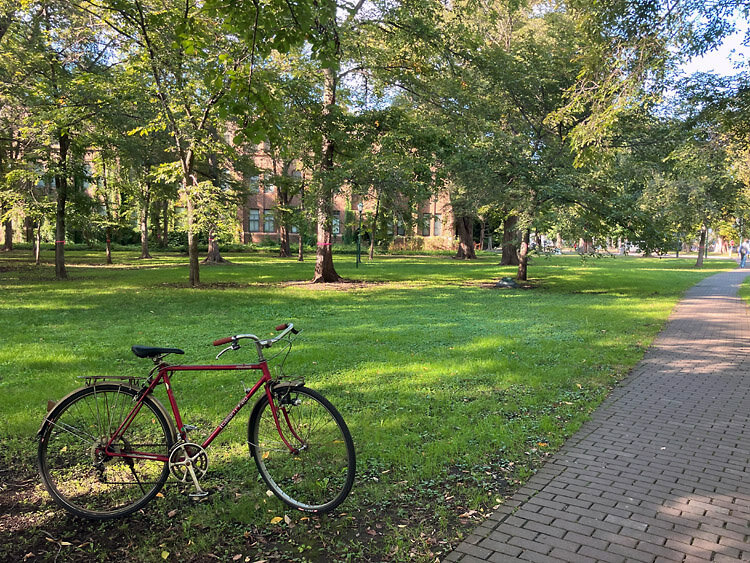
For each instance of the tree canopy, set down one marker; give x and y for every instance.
(542, 118)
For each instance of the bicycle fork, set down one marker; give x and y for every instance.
(275, 409)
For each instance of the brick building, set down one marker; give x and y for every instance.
(429, 226)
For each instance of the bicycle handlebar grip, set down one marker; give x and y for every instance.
(282, 327)
(221, 341)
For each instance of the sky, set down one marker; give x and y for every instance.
(721, 61)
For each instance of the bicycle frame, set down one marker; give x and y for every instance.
(163, 374)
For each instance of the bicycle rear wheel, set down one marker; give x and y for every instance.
(74, 467)
(318, 475)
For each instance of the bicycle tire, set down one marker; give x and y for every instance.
(317, 477)
(76, 473)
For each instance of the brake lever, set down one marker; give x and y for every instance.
(234, 346)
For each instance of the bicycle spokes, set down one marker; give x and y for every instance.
(307, 459)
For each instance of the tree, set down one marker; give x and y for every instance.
(391, 163)
(192, 63)
(58, 53)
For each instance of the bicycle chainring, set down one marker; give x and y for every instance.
(185, 455)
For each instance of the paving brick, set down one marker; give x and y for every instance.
(502, 558)
(599, 555)
(589, 540)
(558, 554)
(630, 554)
(529, 545)
(474, 550)
(742, 545)
(716, 548)
(615, 538)
(499, 546)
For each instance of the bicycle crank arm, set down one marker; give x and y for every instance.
(198, 493)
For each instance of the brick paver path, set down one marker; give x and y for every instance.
(662, 470)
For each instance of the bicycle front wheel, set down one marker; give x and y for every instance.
(85, 479)
(314, 470)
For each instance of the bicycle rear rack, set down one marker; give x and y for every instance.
(89, 380)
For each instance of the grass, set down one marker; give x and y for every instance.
(454, 392)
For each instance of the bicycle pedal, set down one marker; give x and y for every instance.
(189, 427)
(197, 495)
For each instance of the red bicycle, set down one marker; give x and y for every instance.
(107, 448)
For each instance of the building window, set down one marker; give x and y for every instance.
(268, 226)
(425, 224)
(336, 223)
(400, 228)
(438, 225)
(253, 221)
(295, 230)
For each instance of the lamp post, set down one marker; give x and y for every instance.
(359, 235)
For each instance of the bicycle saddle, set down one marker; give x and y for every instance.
(150, 352)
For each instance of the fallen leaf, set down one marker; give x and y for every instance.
(172, 513)
(237, 557)
(276, 519)
(287, 520)
(164, 554)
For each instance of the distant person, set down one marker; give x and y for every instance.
(731, 247)
(744, 249)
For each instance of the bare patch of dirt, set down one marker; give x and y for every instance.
(343, 285)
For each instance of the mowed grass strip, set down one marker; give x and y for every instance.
(454, 392)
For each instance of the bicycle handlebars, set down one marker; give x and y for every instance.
(286, 328)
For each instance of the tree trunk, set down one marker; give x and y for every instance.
(523, 256)
(324, 270)
(61, 184)
(465, 232)
(8, 246)
(510, 235)
(214, 255)
(38, 244)
(301, 227)
(194, 266)
(285, 250)
(108, 234)
(374, 226)
(28, 229)
(145, 207)
(165, 219)
(156, 223)
(701, 248)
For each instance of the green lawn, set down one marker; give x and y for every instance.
(454, 391)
